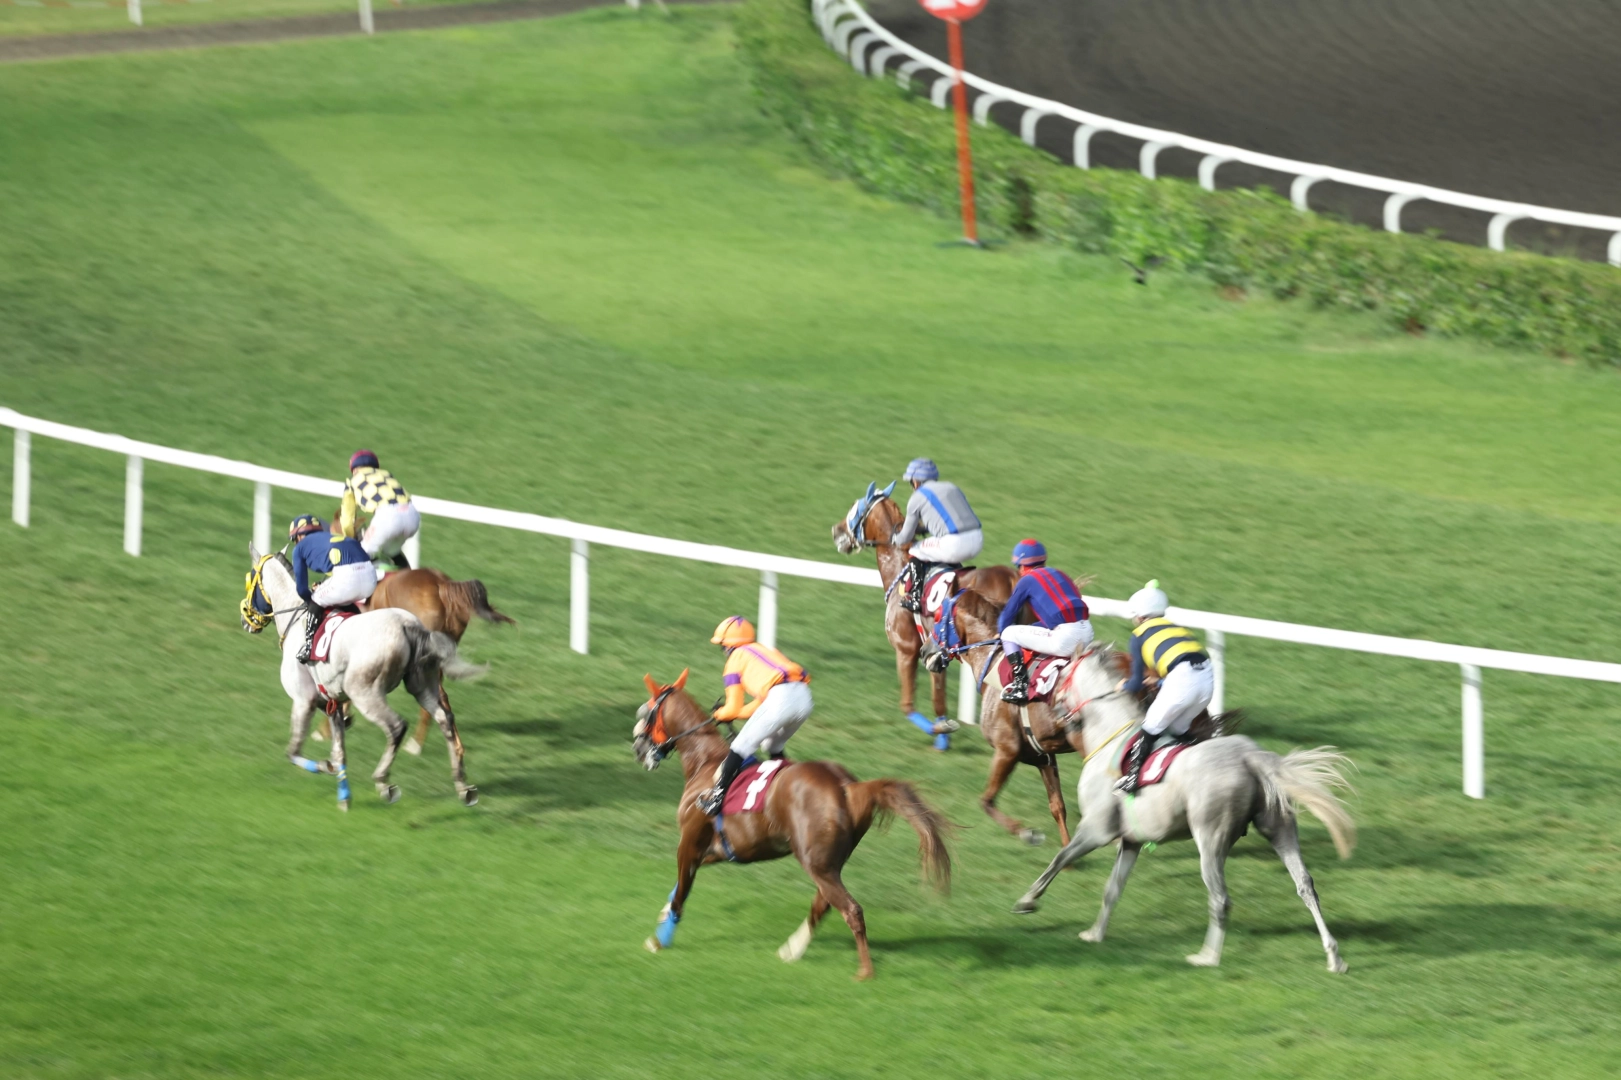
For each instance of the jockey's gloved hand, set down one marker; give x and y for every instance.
(715, 708)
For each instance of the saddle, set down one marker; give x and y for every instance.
(1204, 728)
(747, 792)
(1045, 671)
(327, 629)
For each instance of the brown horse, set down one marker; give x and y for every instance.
(871, 522)
(815, 811)
(443, 605)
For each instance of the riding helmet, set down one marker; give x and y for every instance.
(1028, 552)
(922, 469)
(733, 631)
(303, 525)
(362, 458)
(1148, 601)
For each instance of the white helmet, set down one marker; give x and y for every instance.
(1148, 601)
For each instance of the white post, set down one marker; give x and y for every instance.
(767, 630)
(634, 5)
(967, 693)
(412, 549)
(1216, 646)
(366, 26)
(19, 479)
(579, 596)
(261, 517)
(132, 505)
(1474, 735)
(134, 11)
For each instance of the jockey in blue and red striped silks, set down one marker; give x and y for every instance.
(1061, 625)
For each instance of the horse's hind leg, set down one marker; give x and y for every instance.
(1286, 842)
(832, 888)
(1002, 766)
(1213, 849)
(373, 704)
(1123, 863)
(794, 948)
(415, 744)
(1055, 799)
(433, 699)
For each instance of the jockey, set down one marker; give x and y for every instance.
(942, 511)
(1175, 657)
(1061, 625)
(351, 577)
(374, 490)
(782, 702)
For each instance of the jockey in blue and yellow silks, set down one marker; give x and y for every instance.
(373, 490)
(1187, 682)
(1062, 624)
(782, 702)
(350, 577)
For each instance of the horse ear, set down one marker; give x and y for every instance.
(872, 489)
(888, 489)
(652, 687)
(253, 551)
(681, 680)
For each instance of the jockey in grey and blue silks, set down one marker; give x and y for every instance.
(939, 509)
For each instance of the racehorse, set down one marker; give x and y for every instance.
(443, 605)
(814, 810)
(369, 656)
(872, 520)
(1213, 791)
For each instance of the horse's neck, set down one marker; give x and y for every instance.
(971, 628)
(283, 596)
(1108, 718)
(891, 561)
(700, 753)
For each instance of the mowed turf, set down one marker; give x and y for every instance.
(566, 267)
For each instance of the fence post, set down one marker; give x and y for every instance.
(19, 479)
(1474, 735)
(132, 505)
(134, 9)
(767, 631)
(967, 695)
(1216, 645)
(366, 26)
(412, 549)
(579, 596)
(261, 517)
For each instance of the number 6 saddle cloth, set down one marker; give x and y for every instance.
(747, 793)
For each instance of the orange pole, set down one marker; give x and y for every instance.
(965, 164)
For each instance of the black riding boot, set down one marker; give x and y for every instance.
(400, 561)
(1133, 766)
(913, 599)
(315, 612)
(710, 801)
(1018, 691)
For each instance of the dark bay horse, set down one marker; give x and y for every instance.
(872, 520)
(815, 811)
(443, 605)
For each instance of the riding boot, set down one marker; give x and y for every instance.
(913, 599)
(400, 561)
(1018, 691)
(313, 613)
(1132, 768)
(710, 801)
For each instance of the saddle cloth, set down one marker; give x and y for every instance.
(1045, 671)
(327, 631)
(747, 793)
(1158, 763)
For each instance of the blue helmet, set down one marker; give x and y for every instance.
(303, 525)
(922, 469)
(360, 458)
(1028, 552)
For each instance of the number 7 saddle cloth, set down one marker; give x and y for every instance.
(747, 793)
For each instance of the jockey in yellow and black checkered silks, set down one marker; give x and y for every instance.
(369, 487)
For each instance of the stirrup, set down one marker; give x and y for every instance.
(712, 800)
(1016, 693)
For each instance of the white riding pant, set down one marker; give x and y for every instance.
(1065, 639)
(785, 708)
(390, 528)
(951, 548)
(348, 584)
(1183, 694)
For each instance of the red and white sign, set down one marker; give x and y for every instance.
(953, 10)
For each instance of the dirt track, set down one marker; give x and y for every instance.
(1507, 98)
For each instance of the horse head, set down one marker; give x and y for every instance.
(1093, 675)
(861, 527)
(650, 739)
(258, 608)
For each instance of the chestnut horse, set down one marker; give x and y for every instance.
(443, 605)
(815, 810)
(872, 520)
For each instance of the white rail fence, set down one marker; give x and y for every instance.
(852, 33)
(1217, 627)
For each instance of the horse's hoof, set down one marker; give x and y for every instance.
(652, 945)
(863, 976)
(412, 747)
(391, 794)
(1200, 959)
(343, 805)
(1025, 907)
(1091, 934)
(1338, 966)
(317, 736)
(469, 797)
(1033, 837)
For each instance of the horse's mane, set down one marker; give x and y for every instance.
(978, 606)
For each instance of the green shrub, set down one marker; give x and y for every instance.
(892, 141)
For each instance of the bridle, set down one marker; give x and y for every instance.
(857, 521)
(655, 719)
(254, 619)
(1071, 718)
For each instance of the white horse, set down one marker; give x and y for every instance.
(370, 655)
(1212, 792)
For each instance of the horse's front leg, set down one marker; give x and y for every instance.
(1002, 766)
(689, 855)
(434, 698)
(301, 688)
(1087, 838)
(1123, 863)
(373, 703)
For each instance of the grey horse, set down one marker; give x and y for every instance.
(1212, 792)
(371, 654)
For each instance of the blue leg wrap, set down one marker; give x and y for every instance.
(307, 765)
(666, 929)
(921, 722)
(942, 742)
(343, 784)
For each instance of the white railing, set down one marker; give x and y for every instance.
(851, 31)
(1469, 659)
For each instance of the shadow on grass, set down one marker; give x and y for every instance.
(1457, 929)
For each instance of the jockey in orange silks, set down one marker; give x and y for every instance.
(782, 702)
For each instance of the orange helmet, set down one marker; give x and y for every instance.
(733, 631)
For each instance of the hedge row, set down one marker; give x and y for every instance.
(894, 142)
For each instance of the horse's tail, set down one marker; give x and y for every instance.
(878, 799)
(442, 649)
(1307, 779)
(465, 599)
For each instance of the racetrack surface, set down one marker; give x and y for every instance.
(1504, 98)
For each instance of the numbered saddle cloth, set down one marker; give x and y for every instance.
(327, 631)
(748, 791)
(1158, 763)
(1045, 671)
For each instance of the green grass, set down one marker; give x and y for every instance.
(564, 266)
(84, 17)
